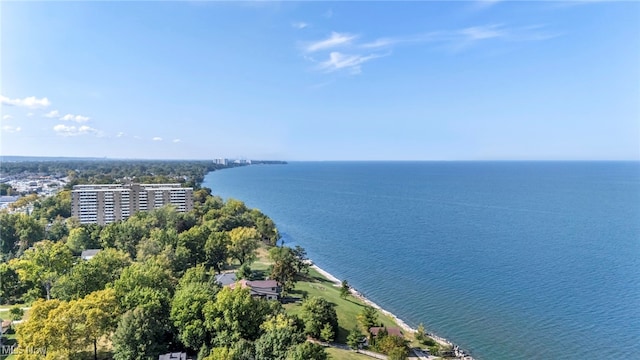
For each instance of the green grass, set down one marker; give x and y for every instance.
(339, 354)
(315, 284)
(7, 307)
(347, 309)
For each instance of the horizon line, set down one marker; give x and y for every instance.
(105, 158)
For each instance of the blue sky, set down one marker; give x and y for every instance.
(482, 80)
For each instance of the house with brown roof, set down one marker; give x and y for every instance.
(377, 331)
(391, 331)
(267, 289)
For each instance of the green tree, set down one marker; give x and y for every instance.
(235, 315)
(243, 244)
(49, 208)
(244, 350)
(354, 338)
(393, 346)
(234, 207)
(216, 250)
(367, 318)
(344, 289)
(9, 237)
(28, 231)
(244, 272)
(302, 263)
(140, 335)
(194, 291)
(126, 235)
(274, 343)
(91, 275)
(284, 268)
(221, 353)
(316, 312)
(16, 313)
(142, 283)
(193, 241)
(265, 226)
(11, 288)
(44, 264)
(79, 239)
(58, 229)
(307, 351)
(327, 333)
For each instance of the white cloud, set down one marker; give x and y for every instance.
(176, 140)
(120, 134)
(378, 43)
(391, 41)
(52, 114)
(71, 130)
(30, 114)
(335, 40)
(484, 32)
(28, 102)
(328, 14)
(76, 118)
(299, 25)
(338, 61)
(11, 129)
(7, 117)
(455, 40)
(466, 37)
(157, 138)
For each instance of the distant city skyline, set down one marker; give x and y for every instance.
(475, 80)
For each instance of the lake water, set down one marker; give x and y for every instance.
(509, 260)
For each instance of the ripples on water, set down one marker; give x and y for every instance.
(509, 260)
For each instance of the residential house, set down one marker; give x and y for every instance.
(267, 289)
(174, 356)
(376, 331)
(226, 279)
(89, 254)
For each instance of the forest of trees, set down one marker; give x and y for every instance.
(151, 288)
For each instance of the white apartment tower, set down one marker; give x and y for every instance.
(106, 203)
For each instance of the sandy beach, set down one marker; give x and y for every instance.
(337, 282)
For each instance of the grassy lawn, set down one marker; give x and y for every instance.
(4, 310)
(340, 354)
(314, 284)
(347, 309)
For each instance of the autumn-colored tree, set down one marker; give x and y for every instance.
(68, 328)
(44, 264)
(244, 242)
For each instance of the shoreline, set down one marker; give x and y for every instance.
(460, 354)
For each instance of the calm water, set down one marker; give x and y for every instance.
(523, 260)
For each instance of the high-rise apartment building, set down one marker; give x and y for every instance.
(106, 203)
